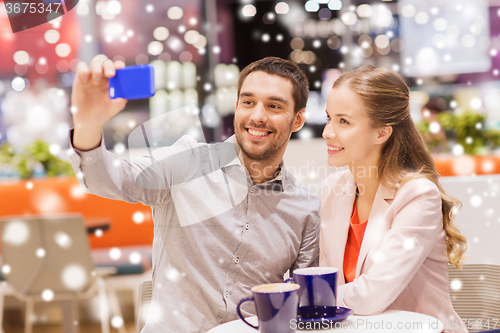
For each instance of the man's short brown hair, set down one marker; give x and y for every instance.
(285, 69)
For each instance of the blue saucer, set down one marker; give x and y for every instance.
(322, 314)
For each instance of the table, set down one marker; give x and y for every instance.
(389, 321)
(92, 224)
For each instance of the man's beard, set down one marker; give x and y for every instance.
(272, 150)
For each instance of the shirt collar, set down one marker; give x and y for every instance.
(238, 162)
(276, 181)
(237, 159)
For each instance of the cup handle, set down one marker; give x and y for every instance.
(248, 299)
(290, 280)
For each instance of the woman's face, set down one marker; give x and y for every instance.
(349, 135)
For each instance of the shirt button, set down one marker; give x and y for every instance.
(226, 295)
(252, 190)
(237, 260)
(242, 169)
(247, 226)
(88, 159)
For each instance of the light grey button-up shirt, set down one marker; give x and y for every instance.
(216, 234)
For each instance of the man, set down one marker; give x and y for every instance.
(227, 216)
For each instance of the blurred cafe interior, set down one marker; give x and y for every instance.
(448, 52)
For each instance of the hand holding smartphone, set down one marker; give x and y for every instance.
(132, 82)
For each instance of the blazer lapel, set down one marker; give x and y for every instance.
(340, 226)
(373, 231)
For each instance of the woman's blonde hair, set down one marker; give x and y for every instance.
(404, 157)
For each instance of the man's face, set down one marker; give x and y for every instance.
(264, 117)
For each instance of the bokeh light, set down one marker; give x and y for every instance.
(155, 48)
(382, 41)
(311, 6)
(47, 295)
(349, 18)
(134, 258)
(305, 133)
(175, 13)
(422, 18)
(117, 321)
(282, 8)
(161, 33)
(16, 233)
(364, 10)
(82, 9)
(333, 42)
(63, 50)
(6, 269)
(440, 24)
(297, 43)
(138, 217)
(40, 253)
(468, 40)
(62, 239)
(201, 42)
(325, 14)
(476, 201)
(115, 253)
(21, 57)
(74, 277)
(114, 7)
(52, 36)
(191, 36)
(434, 127)
(335, 5)
(175, 44)
(269, 18)
(408, 11)
(249, 10)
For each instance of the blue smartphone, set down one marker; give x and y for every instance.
(133, 82)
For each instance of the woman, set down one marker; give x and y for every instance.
(386, 222)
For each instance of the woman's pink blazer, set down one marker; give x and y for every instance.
(402, 264)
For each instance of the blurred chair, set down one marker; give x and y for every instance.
(475, 293)
(48, 258)
(143, 304)
(2, 290)
(131, 265)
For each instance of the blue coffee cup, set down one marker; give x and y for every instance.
(276, 305)
(318, 291)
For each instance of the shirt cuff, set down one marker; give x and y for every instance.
(80, 157)
(87, 156)
(71, 135)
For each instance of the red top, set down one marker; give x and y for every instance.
(354, 240)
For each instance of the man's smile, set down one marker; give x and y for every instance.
(257, 134)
